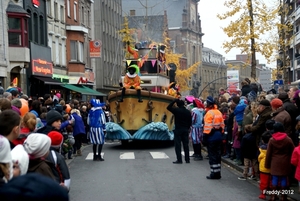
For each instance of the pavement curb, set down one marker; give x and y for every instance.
(69, 161)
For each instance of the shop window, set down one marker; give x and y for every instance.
(17, 31)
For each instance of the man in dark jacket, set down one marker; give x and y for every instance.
(245, 88)
(258, 127)
(293, 111)
(183, 123)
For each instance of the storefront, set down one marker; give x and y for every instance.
(82, 93)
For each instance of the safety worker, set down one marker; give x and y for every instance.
(212, 136)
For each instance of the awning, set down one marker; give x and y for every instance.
(83, 90)
(96, 93)
(48, 80)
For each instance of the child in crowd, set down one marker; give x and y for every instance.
(28, 125)
(5, 161)
(278, 158)
(249, 150)
(37, 146)
(59, 167)
(20, 160)
(239, 113)
(10, 125)
(296, 162)
(264, 175)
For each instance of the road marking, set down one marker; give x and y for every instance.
(90, 156)
(191, 153)
(127, 155)
(158, 155)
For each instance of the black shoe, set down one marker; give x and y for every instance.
(95, 158)
(177, 162)
(198, 158)
(140, 100)
(100, 158)
(187, 161)
(213, 177)
(120, 100)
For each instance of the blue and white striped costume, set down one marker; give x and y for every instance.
(197, 125)
(96, 121)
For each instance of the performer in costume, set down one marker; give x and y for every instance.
(161, 57)
(96, 121)
(133, 52)
(173, 90)
(132, 81)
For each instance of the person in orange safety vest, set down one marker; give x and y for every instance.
(212, 136)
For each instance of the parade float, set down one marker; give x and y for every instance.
(148, 118)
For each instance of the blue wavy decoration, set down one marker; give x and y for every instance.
(116, 132)
(154, 131)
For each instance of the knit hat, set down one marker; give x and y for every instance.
(210, 100)
(56, 138)
(37, 145)
(278, 127)
(16, 102)
(283, 96)
(276, 103)
(33, 186)
(265, 103)
(5, 155)
(53, 116)
(20, 156)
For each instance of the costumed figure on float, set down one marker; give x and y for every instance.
(132, 81)
(173, 90)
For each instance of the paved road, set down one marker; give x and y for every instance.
(146, 173)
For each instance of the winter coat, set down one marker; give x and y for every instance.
(262, 159)
(279, 153)
(258, 127)
(59, 167)
(239, 110)
(245, 90)
(78, 127)
(41, 166)
(248, 146)
(282, 116)
(235, 136)
(22, 137)
(296, 161)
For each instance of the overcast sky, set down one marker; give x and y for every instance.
(211, 27)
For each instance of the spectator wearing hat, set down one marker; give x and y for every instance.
(183, 123)
(59, 167)
(213, 129)
(5, 161)
(293, 111)
(197, 128)
(10, 125)
(37, 146)
(20, 160)
(33, 186)
(53, 119)
(278, 159)
(264, 111)
(280, 115)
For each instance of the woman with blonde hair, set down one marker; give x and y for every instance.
(28, 125)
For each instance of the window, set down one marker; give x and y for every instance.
(62, 14)
(75, 10)
(132, 12)
(57, 51)
(36, 31)
(82, 15)
(17, 31)
(63, 52)
(56, 11)
(77, 49)
(88, 19)
(68, 8)
(42, 31)
(48, 7)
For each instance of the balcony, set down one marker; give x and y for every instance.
(77, 28)
(19, 54)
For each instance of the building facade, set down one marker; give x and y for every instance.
(14, 51)
(184, 29)
(108, 21)
(213, 73)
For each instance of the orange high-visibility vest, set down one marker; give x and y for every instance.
(213, 119)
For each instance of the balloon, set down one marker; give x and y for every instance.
(68, 109)
(24, 109)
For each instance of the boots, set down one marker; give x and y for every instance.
(262, 196)
(78, 153)
(99, 152)
(139, 95)
(197, 150)
(122, 95)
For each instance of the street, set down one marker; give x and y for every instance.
(145, 172)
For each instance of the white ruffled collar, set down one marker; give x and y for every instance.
(131, 76)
